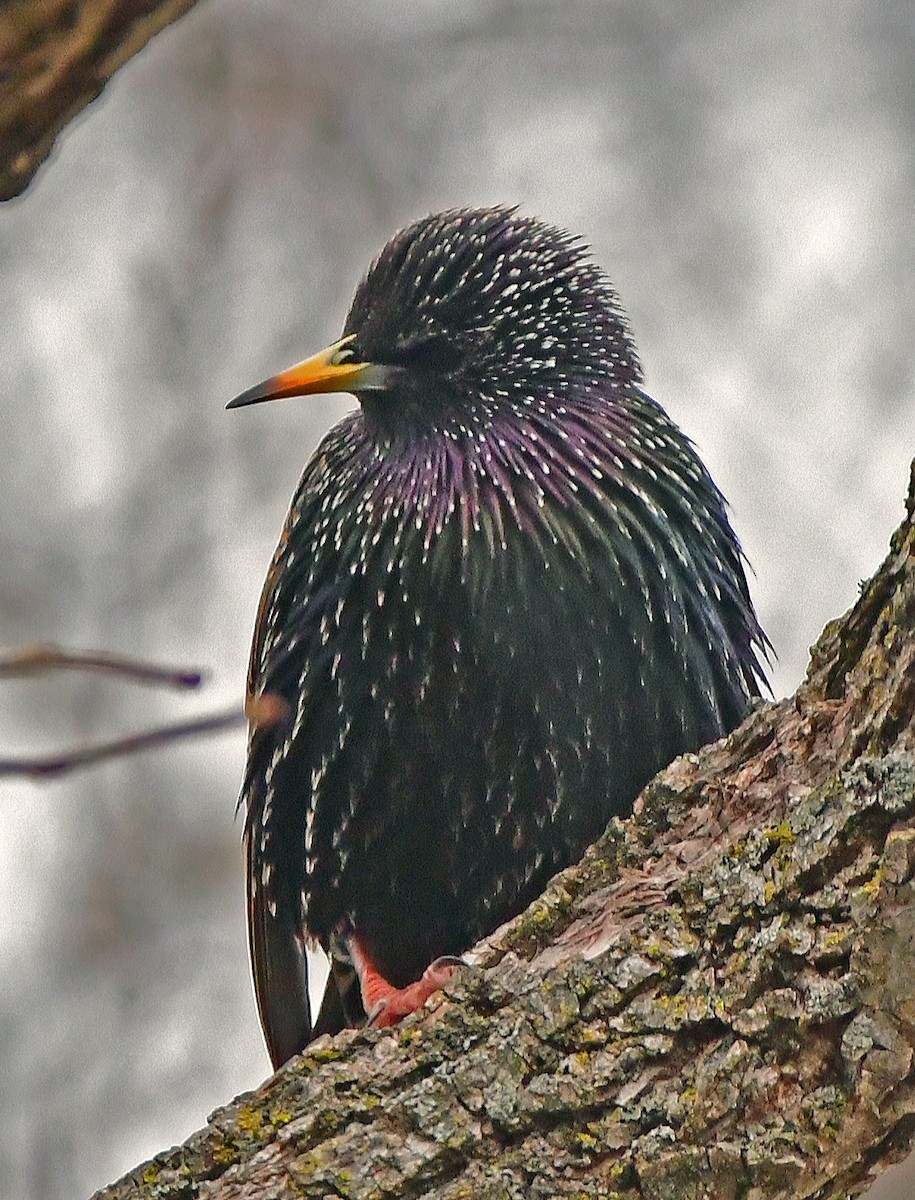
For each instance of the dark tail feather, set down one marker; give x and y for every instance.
(280, 968)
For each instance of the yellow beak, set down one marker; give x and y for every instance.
(331, 370)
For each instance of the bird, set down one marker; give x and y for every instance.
(506, 595)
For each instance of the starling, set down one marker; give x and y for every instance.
(507, 593)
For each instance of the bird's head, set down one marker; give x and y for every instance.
(463, 308)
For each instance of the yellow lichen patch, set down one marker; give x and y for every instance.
(780, 835)
(224, 1152)
(833, 939)
(249, 1119)
(591, 1035)
(871, 889)
(321, 1054)
(657, 951)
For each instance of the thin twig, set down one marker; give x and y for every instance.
(33, 660)
(41, 767)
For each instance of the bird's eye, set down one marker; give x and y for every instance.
(428, 352)
(345, 351)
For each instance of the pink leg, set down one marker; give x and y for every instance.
(386, 1004)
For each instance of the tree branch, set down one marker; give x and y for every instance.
(61, 762)
(718, 1002)
(44, 657)
(55, 58)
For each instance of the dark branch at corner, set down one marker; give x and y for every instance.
(55, 58)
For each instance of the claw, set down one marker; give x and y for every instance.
(398, 1003)
(385, 1004)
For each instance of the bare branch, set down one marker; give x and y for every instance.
(35, 660)
(45, 766)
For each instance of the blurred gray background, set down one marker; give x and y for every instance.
(744, 172)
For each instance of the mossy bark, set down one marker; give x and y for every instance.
(719, 1001)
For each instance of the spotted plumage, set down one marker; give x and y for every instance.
(506, 594)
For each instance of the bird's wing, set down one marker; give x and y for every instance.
(292, 721)
(275, 936)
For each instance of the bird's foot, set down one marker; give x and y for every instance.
(386, 1005)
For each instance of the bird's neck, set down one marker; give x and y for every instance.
(508, 461)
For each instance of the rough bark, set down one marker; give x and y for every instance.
(719, 1001)
(55, 57)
